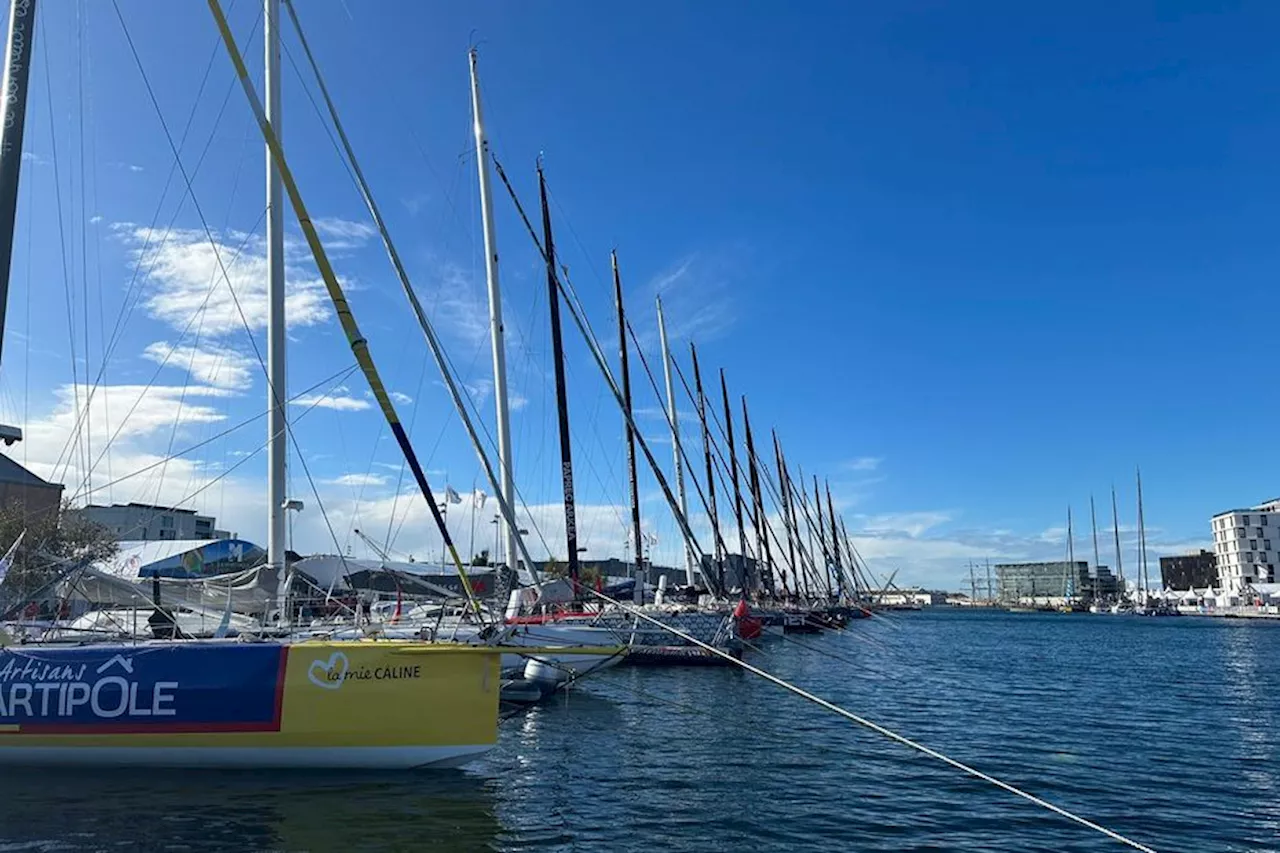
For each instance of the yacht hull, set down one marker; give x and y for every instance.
(375, 705)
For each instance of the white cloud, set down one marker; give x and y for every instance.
(136, 421)
(343, 234)
(478, 389)
(458, 306)
(401, 398)
(218, 366)
(338, 399)
(911, 524)
(863, 463)
(696, 299)
(184, 272)
(359, 480)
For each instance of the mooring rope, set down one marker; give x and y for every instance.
(881, 730)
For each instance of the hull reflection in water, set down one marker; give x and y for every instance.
(384, 705)
(241, 810)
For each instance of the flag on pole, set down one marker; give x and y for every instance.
(7, 562)
(451, 495)
(479, 498)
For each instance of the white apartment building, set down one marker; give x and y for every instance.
(135, 521)
(1246, 543)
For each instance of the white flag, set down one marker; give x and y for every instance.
(479, 498)
(7, 562)
(451, 495)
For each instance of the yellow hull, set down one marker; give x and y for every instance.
(205, 704)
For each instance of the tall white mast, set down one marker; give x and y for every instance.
(1071, 557)
(673, 417)
(495, 316)
(277, 436)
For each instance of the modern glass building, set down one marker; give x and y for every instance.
(1054, 580)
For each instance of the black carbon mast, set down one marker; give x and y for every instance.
(764, 553)
(562, 396)
(711, 474)
(835, 539)
(744, 575)
(632, 483)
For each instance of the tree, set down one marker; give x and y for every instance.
(587, 575)
(49, 545)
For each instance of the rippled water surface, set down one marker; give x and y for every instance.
(1163, 729)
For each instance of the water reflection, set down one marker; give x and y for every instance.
(288, 811)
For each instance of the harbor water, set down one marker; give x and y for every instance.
(1164, 729)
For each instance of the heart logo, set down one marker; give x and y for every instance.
(329, 674)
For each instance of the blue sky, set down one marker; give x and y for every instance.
(973, 261)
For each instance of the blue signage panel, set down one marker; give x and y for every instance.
(162, 688)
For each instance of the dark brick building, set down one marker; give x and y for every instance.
(1189, 571)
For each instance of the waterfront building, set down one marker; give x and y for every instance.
(148, 522)
(1189, 571)
(1245, 545)
(1098, 584)
(613, 569)
(40, 499)
(1052, 581)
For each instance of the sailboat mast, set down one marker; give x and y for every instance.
(562, 396)
(788, 520)
(342, 308)
(744, 576)
(1115, 528)
(1093, 521)
(636, 536)
(711, 475)
(277, 414)
(673, 417)
(822, 537)
(803, 501)
(17, 71)
(763, 552)
(1142, 542)
(496, 329)
(835, 539)
(428, 332)
(854, 570)
(1071, 557)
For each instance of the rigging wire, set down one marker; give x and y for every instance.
(584, 327)
(62, 241)
(437, 350)
(340, 376)
(222, 267)
(130, 301)
(876, 727)
(84, 242)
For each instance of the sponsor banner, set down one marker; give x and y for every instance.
(183, 687)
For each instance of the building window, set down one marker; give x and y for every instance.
(1248, 556)
(1263, 521)
(1266, 544)
(166, 521)
(1239, 532)
(1253, 544)
(1244, 519)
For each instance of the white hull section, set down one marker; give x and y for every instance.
(276, 758)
